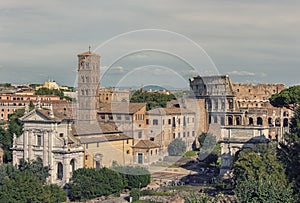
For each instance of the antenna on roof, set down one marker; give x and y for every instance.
(89, 48)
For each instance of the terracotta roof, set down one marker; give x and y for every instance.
(103, 138)
(169, 111)
(146, 144)
(121, 107)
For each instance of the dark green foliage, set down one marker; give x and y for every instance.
(36, 167)
(54, 193)
(210, 150)
(204, 198)
(259, 177)
(134, 176)
(135, 194)
(153, 99)
(46, 91)
(177, 147)
(6, 136)
(25, 186)
(288, 98)
(289, 152)
(88, 183)
(31, 106)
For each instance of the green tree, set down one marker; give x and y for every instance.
(289, 152)
(88, 183)
(46, 91)
(153, 99)
(289, 98)
(134, 176)
(177, 147)
(53, 193)
(6, 136)
(210, 150)
(260, 177)
(36, 167)
(135, 194)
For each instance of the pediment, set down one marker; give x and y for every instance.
(35, 115)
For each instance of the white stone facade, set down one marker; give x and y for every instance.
(48, 139)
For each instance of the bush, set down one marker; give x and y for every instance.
(88, 183)
(133, 177)
(135, 194)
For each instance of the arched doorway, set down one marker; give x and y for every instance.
(60, 171)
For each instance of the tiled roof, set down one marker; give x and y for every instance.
(121, 107)
(169, 111)
(146, 144)
(103, 138)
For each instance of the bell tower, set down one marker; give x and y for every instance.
(88, 81)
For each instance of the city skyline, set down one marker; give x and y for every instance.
(250, 41)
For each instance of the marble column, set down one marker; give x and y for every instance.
(45, 148)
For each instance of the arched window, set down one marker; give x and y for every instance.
(72, 165)
(230, 121)
(238, 121)
(259, 121)
(251, 121)
(277, 122)
(285, 122)
(60, 171)
(270, 121)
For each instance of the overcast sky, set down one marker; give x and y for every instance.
(250, 40)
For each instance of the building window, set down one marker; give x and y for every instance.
(193, 133)
(97, 144)
(127, 141)
(119, 117)
(215, 119)
(155, 122)
(128, 152)
(174, 136)
(86, 146)
(178, 135)
(61, 135)
(110, 117)
(169, 121)
(140, 134)
(183, 134)
(147, 121)
(60, 172)
(102, 117)
(86, 157)
(39, 140)
(127, 117)
(259, 121)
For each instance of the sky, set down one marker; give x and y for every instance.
(151, 42)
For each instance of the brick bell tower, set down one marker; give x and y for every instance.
(88, 81)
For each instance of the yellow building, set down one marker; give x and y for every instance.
(108, 147)
(52, 85)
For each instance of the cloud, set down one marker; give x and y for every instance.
(241, 73)
(246, 74)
